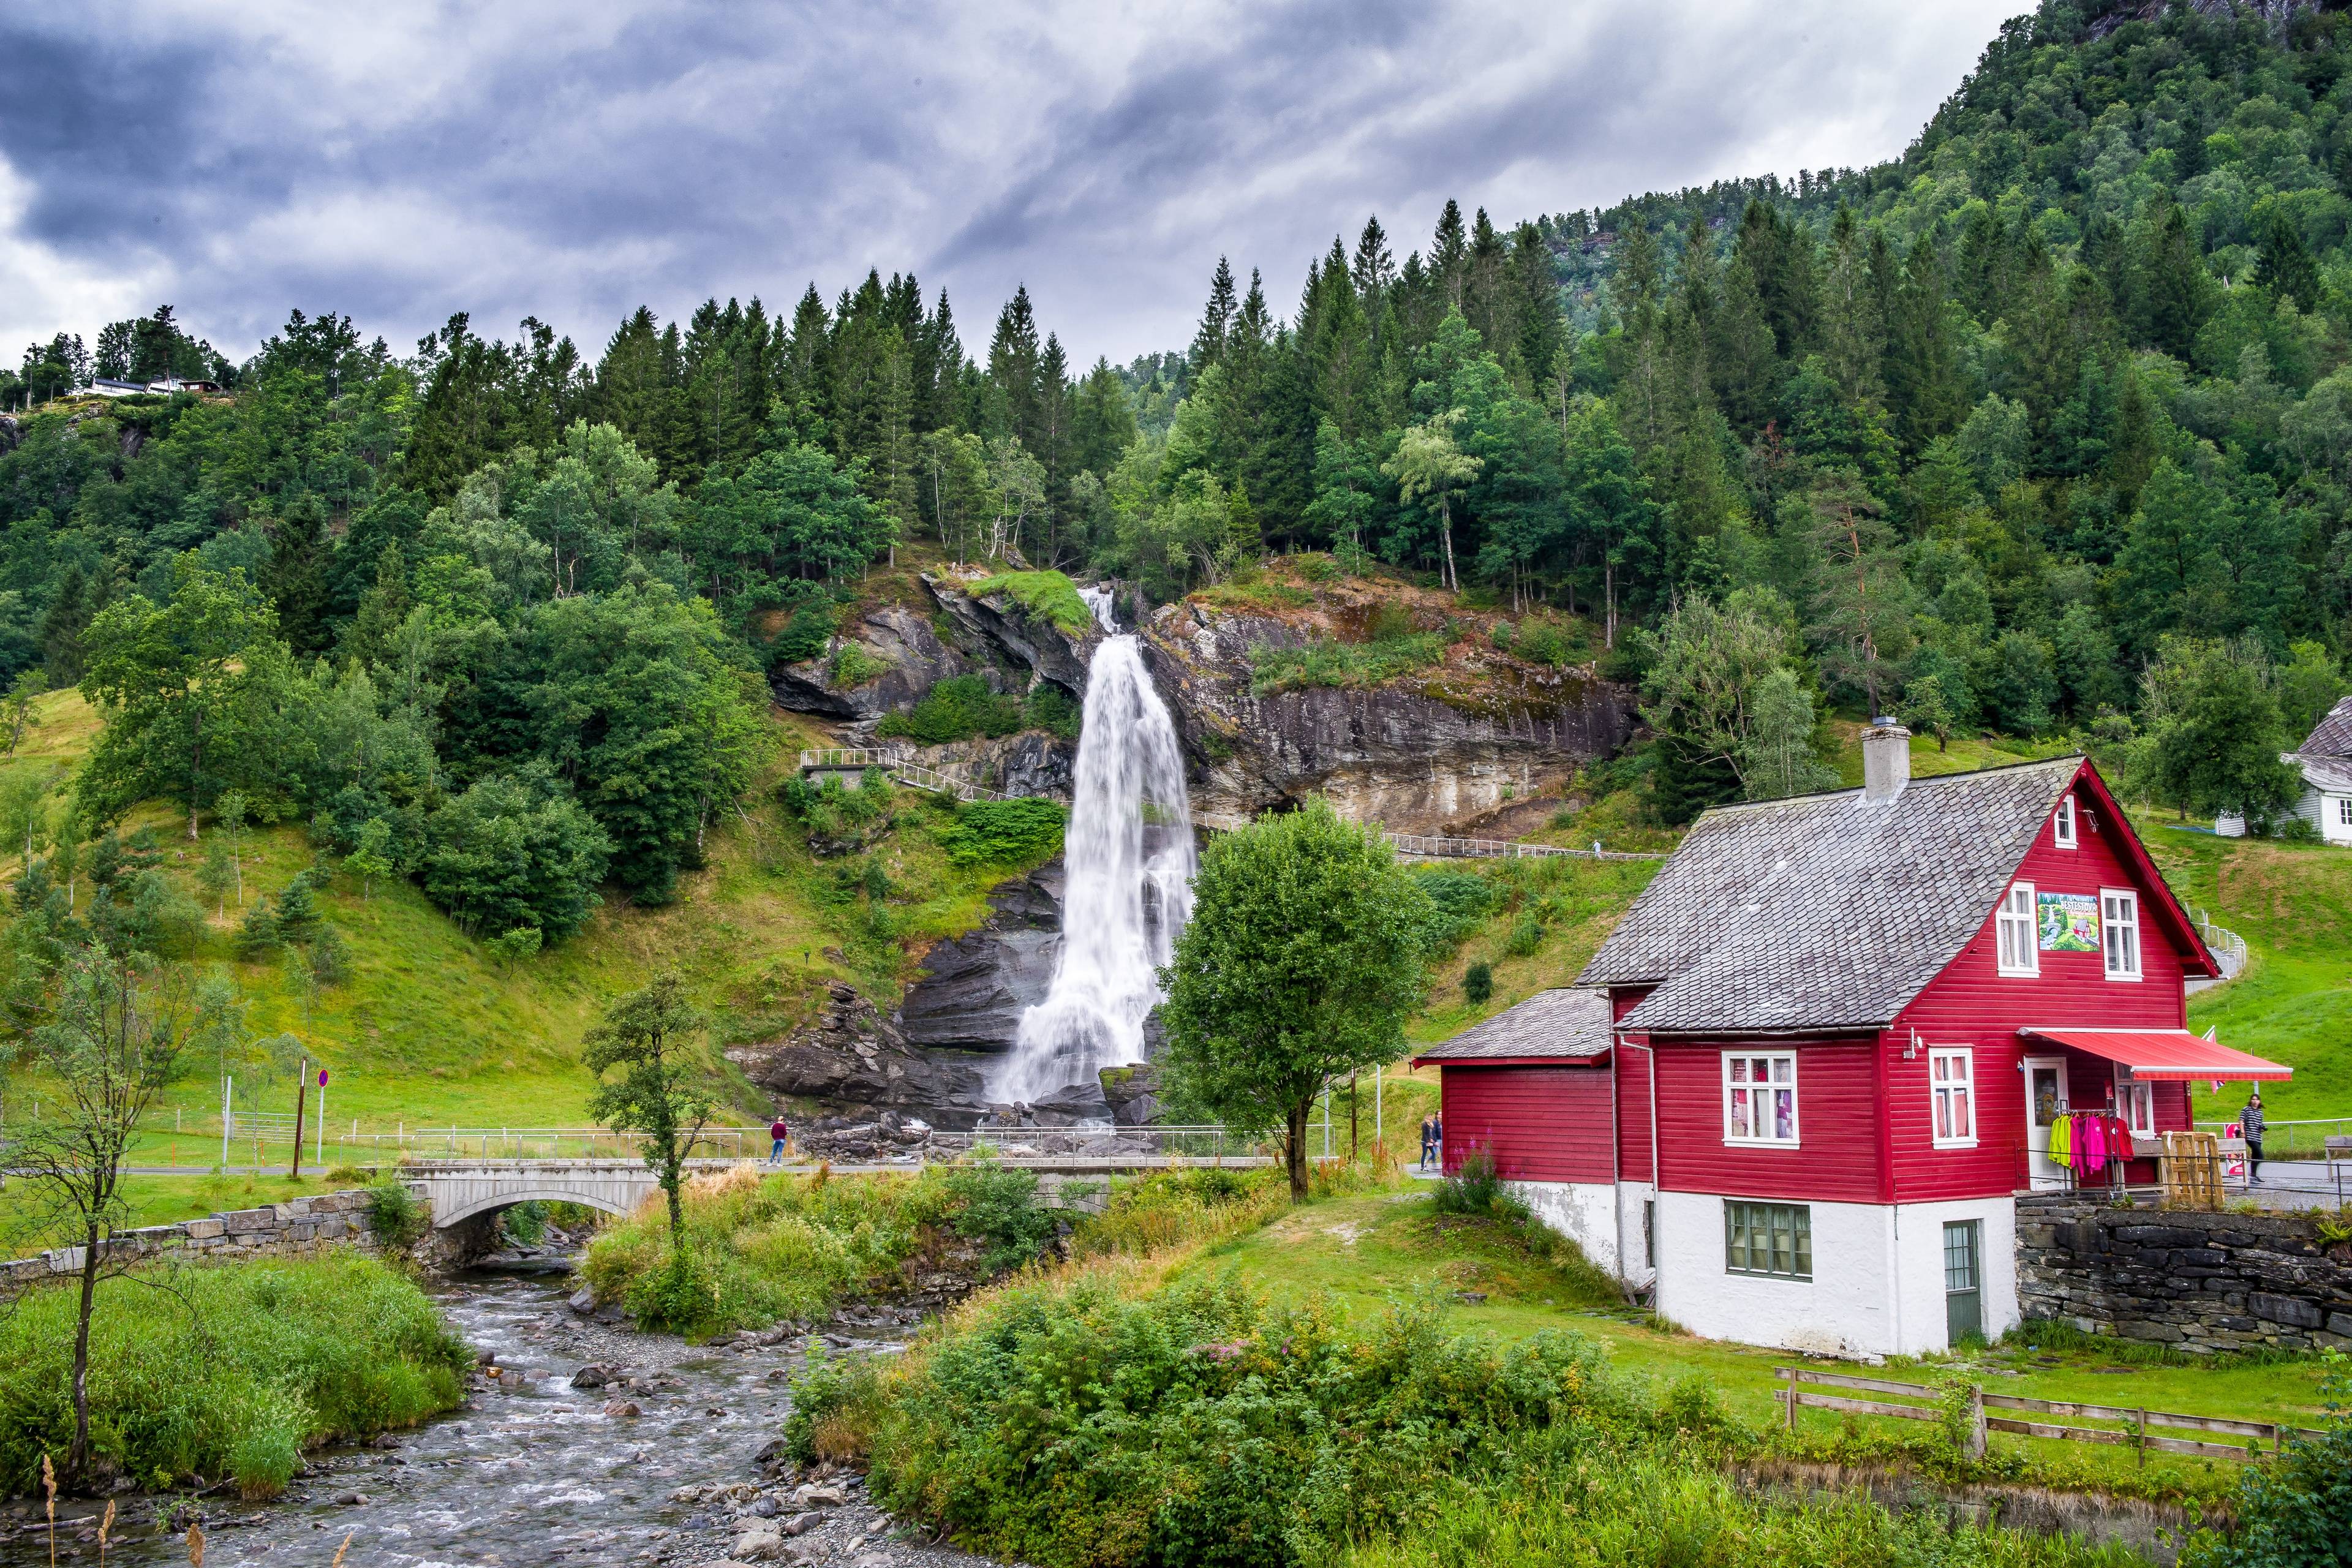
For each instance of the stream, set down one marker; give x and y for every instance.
(532, 1470)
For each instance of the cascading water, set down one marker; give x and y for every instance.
(1128, 889)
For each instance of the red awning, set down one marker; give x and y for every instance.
(2169, 1055)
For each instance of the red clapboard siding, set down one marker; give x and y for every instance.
(1972, 1004)
(1542, 1123)
(1836, 1159)
(1633, 1139)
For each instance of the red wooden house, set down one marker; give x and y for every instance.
(1799, 1086)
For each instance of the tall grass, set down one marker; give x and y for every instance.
(224, 1372)
(765, 1247)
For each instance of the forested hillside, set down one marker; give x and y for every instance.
(2043, 428)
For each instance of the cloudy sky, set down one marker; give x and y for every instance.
(575, 158)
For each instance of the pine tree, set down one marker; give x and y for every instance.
(1449, 256)
(1012, 385)
(2286, 267)
(1209, 340)
(1372, 270)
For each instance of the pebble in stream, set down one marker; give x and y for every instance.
(533, 1472)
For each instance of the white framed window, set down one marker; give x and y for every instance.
(1952, 1087)
(2119, 931)
(2137, 1103)
(2015, 924)
(2062, 827)
(1759, 1097)
(2344, 810)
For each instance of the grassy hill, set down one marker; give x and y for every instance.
(430, 1030)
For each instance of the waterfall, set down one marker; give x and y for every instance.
(1128, 884)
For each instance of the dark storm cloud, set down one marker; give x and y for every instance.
(575, 159)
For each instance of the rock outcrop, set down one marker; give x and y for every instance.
(1420, 754)
(852, 1057)
(912, 657)
(976, 986)
(994, 636)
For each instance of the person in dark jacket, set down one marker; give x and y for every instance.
(778, 1132)
(1428, 1139)
(2250, 1123)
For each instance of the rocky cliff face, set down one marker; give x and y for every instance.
(852, 1056)
(977, 986)
(1421, 754)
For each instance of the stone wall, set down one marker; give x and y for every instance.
(293, 1229)
(2200, 1282)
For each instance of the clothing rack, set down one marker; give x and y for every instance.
(2079, 1136)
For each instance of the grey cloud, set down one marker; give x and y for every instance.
(574, 162)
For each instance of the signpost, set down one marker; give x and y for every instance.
(301, 1092)
(319, 1143)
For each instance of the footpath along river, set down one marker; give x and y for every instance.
(535, 1471)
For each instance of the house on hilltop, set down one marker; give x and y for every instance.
(1797, 1091)
(2326, 759)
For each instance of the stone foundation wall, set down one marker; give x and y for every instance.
(294, 1229)
(2201, 1282)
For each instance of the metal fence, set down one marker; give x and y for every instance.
(1424, 847)
(2304, 1139)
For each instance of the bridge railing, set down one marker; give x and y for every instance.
(902, 769)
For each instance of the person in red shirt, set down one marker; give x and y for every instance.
(778, 1132)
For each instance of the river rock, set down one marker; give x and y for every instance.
(851, 1055)
(801, 1523)
(584, 1301)
(762, 1545)
(976, 986)
(591, 1376)
(619, 1407)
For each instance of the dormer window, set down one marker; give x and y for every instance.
(2014, 924)
(2062, 826)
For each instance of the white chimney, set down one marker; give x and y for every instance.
(1885, 759)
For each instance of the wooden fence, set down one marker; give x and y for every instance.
(2132, 1431)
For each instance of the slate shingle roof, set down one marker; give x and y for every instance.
(2332, 737)
(1566, 1022)
(1824, 911)
(2332, 774)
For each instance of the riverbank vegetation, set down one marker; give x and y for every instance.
(209, 1374)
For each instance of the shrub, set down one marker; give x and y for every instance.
(2295, 1512)
(1526, 935)
(1460, 900)
(1050, 709)
(804, 636)
(998, 1204)
(1389, 622)
(1478, 983)
(1475, 1187)
(397, 1214)
(1023, 832)
(957, 709)
(854, 666)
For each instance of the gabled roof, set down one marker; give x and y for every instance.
(2333, 735)
(1829, 912)
(2330, 775)
(1561, 1024)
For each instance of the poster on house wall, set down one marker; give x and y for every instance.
(2070, 922)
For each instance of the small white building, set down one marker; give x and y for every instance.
(2326, 759)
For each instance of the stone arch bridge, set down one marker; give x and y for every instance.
(460, 1190)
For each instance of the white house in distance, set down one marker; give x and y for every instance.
(2326, 759)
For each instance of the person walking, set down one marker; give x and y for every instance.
(1428, 1139)
(777, 1132)
(2249, 1126)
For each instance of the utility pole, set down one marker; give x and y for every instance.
(301, 1096)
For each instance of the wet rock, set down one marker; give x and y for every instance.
(852, 1056)
(1069, 1106)
(591, 1376)
(619, 1407)
(352, 1500)
(1132, 1093)
(976, 986)
(583, 1301)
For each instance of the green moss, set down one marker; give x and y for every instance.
(1048, 594)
